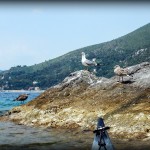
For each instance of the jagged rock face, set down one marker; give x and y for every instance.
(82, 97)
(77, 77)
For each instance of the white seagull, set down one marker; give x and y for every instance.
(121, 72)
(86, 62)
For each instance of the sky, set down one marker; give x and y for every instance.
(31, 33)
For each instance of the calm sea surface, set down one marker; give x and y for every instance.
(20, 137)
(6, 99)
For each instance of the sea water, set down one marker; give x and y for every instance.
(16, 137)
(7, 97)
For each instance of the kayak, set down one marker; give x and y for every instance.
(101, 138)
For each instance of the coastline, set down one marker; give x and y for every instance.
(23, 91)
(75, 104)
(82, 97)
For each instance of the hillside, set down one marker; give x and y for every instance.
(82, 97)
(127, 50)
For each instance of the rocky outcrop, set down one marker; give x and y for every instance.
(140, 75)
(82, 97)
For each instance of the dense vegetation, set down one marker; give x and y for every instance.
(127, 50)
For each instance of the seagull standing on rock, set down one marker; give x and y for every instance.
(121, 72)
(86, 62)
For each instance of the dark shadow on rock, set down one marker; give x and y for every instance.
(127, 82)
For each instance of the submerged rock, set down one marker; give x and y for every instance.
(82, 97)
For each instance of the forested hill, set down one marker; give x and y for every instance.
(127, 50)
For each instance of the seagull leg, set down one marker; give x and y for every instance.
(118, 79)
(87, 69)
(122, 78)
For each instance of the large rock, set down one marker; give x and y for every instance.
(82, 97)
(140, 75)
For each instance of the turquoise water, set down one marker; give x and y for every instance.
(20, 137)
(7, 103)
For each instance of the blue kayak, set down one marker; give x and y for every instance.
(101, 137)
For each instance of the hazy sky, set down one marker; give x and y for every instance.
(32, 33)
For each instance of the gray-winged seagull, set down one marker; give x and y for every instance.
(87, 62)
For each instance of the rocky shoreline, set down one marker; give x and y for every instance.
(23, 91)
(81, 98)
